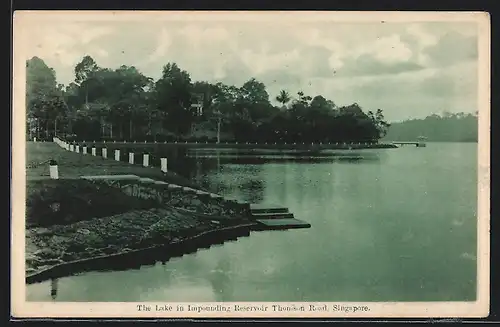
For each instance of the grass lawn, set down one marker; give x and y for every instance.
(72, 165)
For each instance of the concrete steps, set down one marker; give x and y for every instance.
(281, 224)
(272, 217)
(266, 209)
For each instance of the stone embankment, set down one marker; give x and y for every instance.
(80, 218)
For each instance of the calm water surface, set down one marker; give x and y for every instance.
(393, 225)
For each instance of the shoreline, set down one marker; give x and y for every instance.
(66, 242)
(204, 239)
(75, 224)
(240, 145)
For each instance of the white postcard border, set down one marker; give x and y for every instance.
(21, 308)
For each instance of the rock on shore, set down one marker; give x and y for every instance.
(138, 229)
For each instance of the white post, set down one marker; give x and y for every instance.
(34, 139)
(71, 147)
(94, 151)
(145, 160)
(104, 153)
(163, 164)
(117, 155)
(84, 150)
(131, 158)
(54, 171)
(77, 149)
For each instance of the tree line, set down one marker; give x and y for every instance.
(124, 104)
(448, 127)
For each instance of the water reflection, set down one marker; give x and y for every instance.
(245, 157)
(53, 288)
(220, 280)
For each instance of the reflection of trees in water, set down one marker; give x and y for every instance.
(53, 288)
(253, 190)
(243, 182)
(220, 280)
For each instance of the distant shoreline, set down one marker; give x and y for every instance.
(435, 141)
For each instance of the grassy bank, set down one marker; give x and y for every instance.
(74, 165)
(70, 219)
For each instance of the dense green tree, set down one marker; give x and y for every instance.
(172, 96)
(44, 102)
(128, 98)
(85, 72)
(123, 103)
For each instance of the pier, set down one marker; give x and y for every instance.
(420, 143)
(416, 143)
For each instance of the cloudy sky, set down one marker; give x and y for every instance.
(408, 69)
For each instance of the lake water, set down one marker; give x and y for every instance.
(387, 225)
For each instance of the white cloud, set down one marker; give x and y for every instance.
(263, 61)
(199, 37)
(315, 37)
(387, 49)
(89, 34)
(376, 65)
(65, 43)
(163, 44)
(101, 52)
(425, 38)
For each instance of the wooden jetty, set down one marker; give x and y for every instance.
(416, 143)
(420, 143)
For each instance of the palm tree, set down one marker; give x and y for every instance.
(283, 98)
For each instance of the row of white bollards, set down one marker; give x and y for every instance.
(76, 148)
